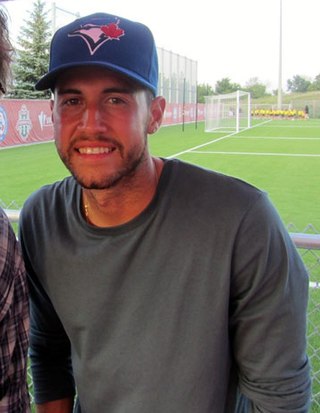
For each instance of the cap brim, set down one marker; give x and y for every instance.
(49, 80)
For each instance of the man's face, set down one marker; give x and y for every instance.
(101, 122)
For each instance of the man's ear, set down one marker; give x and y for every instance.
(157, 109)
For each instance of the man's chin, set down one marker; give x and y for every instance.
(98, 184)
(100, 179)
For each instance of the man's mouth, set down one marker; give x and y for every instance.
(95, 150)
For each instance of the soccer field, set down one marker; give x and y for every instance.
(281, 157)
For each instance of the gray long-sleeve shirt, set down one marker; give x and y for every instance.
(198, 305)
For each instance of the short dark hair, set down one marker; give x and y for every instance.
(6, 52)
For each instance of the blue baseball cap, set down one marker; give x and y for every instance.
(104, 40)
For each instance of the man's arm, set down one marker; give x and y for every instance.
(50, 348)
(56, 406)
(269, 296)
(50, 351)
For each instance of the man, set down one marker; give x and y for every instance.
(156, 286)
(14, 317)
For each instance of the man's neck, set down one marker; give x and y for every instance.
(122, 203)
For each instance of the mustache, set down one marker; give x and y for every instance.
(85, 138)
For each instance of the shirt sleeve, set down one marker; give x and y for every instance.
(268, 307)
(14, 323)
(50, 349)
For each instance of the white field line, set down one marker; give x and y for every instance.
(277, 138)
(213, 141)
(259, 153)
(314, 125)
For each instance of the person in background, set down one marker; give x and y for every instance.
(14, 304)
(156, 286)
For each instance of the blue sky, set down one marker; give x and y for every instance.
(238, 39)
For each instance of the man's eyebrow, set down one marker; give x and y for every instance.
(128, 90)
(68, 91)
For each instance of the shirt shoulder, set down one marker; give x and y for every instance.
(49, 192)
(48, 198)
(212, 190)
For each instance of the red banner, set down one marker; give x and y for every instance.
(177, 113)
(24, 121)
(29, 121)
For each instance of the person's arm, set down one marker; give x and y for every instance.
(50, 351)
(14, 322)
(8, 273)
(50, 348)
(56, 406)
(269, 293)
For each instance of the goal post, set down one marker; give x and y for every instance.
(230, 112)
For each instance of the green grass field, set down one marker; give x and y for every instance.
(281, 157)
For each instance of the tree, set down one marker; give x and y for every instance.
(255, 88)
(298, 84)
(32, 54)
(315, 85)
(225, 86)
(203, 89)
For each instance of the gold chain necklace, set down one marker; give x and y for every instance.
(86, 212)
(86, 206)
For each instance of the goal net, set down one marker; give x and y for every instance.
(227, 113)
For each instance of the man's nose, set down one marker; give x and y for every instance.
(93, 119)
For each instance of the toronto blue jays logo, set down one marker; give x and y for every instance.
(96, 35)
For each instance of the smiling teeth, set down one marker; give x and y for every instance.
(94, 151)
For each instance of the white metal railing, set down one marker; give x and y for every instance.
(306, 241)
(13, 214)
(301, 240)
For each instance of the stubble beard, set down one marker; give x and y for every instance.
(132, 161)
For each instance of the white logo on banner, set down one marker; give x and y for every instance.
(24, 124)
(3, 124)
(44, 120)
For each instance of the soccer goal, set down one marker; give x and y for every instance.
(227, 113)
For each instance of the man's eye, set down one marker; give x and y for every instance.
(72, 102)
(115, 100)
(68, 101)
